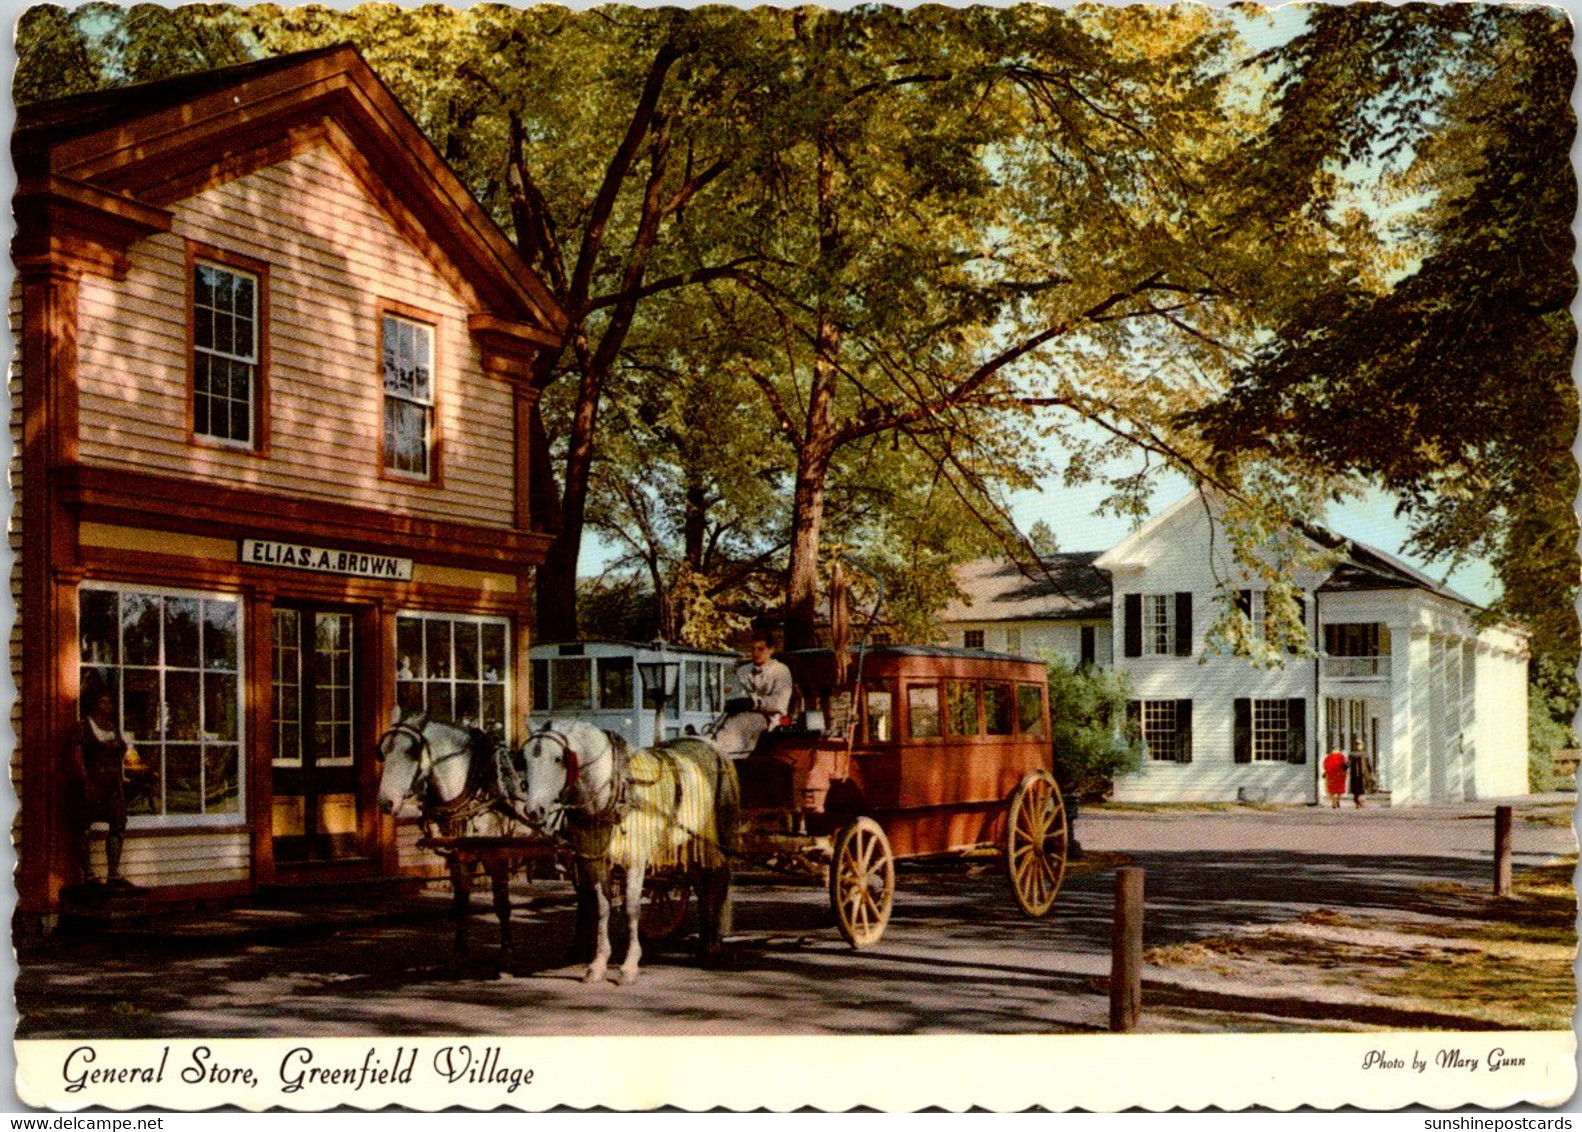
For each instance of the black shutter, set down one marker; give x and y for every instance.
(1243, 732)
(1183, 731)
(1090, 645)
(1134, 625)
(1244, 602)
(1296, 731)
(1134, 720)
(1183, 624)
(1301, 614)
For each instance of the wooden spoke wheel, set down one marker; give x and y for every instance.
(1036, 838)
(862, 882)
(664, 908)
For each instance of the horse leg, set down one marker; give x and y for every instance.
(714, 911)
(460, 898)
(601, 953)
(583, 882)
(634, 913)
(500, 877)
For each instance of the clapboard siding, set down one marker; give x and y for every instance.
(218, 857)
(333, 255)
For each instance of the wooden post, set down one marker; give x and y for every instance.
(1502, 850)
(1126, 963)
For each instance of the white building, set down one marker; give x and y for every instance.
(1402, 676)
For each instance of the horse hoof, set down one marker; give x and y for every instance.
(628, 977)
(593, 975)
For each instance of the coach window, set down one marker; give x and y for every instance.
(922, 711)
(961, 718)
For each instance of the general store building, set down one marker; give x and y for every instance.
(273, 363)
(1402, 673)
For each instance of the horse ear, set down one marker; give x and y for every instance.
(395, 715)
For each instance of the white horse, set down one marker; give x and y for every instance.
(462, 790)
(675, 806)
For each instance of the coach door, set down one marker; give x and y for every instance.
(315, 775)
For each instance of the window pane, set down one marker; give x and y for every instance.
(222, 792)
(615, 682)
(494, 711)
(1030, 709)
(880, 725)
(437, 633)
(183, 705)
(181, 632)
(997, 709)
(962, 696)
(571, 690)
(409, 649)
(220, 697)
(219, 635)
(183, 778)
(99, 626)
(140, 628)
(922, 710)
(466, 650)
(494, 652)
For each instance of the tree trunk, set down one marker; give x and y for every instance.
(807, 520)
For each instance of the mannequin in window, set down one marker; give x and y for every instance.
(95, 789)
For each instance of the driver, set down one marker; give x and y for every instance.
(766, 696)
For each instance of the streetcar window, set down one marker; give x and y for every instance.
(962, 698)
(880, 709)
(1030, 709)
(571, 684)
(615, 683)
(998, 709)
(922, 711)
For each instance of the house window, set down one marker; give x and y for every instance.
(1166, 728)
(1158, 624)
(224, 353)
(1013, 641)
(1270, 731)
(171, 663)
(1270, 725)
(456, 668)
(409, 397)
(972, 639)
(1254, 605)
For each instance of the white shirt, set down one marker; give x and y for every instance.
(768, 684)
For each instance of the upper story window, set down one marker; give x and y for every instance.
(408, 352)
(225, 354)
(1158, 624)
(972, 639)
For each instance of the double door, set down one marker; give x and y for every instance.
(317, 764)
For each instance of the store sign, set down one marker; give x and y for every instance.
(321, 560)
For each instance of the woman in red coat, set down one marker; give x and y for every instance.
(1335, 777)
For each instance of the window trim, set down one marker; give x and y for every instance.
(387, 309)
(229, 819)
(1180, 712)
(197, 253)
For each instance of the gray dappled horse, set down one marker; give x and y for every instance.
(463, 791)
(671, 807)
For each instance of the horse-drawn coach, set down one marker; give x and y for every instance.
(908, 753)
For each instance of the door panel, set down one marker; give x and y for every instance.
(316, 806)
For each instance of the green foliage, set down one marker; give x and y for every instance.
(1093, 741)
(1546, 734)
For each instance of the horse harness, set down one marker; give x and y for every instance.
(477, 796)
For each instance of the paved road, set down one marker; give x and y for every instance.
(958, 956)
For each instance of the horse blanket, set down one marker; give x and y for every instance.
(681, 809)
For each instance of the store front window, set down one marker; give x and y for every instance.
(171, 662)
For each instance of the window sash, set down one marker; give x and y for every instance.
(225, 352)
(1161, 730)
(456, 667)
(408, 369)
(1159, 624)
(1270, 731)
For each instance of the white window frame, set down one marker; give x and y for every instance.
(1159, 718)
(1271, 728)
(394, 394)
(1159, 624)
(249, 359)
(145, 743)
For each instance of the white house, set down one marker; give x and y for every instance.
(1402, 674)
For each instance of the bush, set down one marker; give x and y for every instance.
(1545, 736)
(1091, 738)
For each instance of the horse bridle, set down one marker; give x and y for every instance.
(566, 800)
(423, 776)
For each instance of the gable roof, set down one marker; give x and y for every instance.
(1060, 587)
(108, 164)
